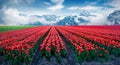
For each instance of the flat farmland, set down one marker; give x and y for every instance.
(60, 45)
(9, 28)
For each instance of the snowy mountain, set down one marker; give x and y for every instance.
(72, 20)
(85, 13)
(35, 24)
(81, 19)
(69, 20)
(114, 18)
(48, 19)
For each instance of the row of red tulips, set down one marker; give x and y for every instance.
(9, 34)
(88, 43)
(53, 45)
(112, 35)
(101, 40)
(107, 30)
(83, 49)
(20, 47)
(111, 45)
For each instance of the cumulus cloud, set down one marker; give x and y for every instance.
(100, 13)
(8, 3)
(57, 1)
(20, 1)
(10, 12)
(89, 7)
(12, 16)
(35, 12)
(115, 4)
(99, 19)
(59, 5)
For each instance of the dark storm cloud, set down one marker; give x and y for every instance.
(6, 4)
(2, 3)
(13, 9)
(15, 3)
(1, 15)
(2, 22)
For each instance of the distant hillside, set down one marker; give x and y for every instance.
(114, 17)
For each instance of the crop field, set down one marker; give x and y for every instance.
(9, 28)
(60, 45)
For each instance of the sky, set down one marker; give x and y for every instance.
(10, 10)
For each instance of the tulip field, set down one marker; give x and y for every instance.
(61, 45)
